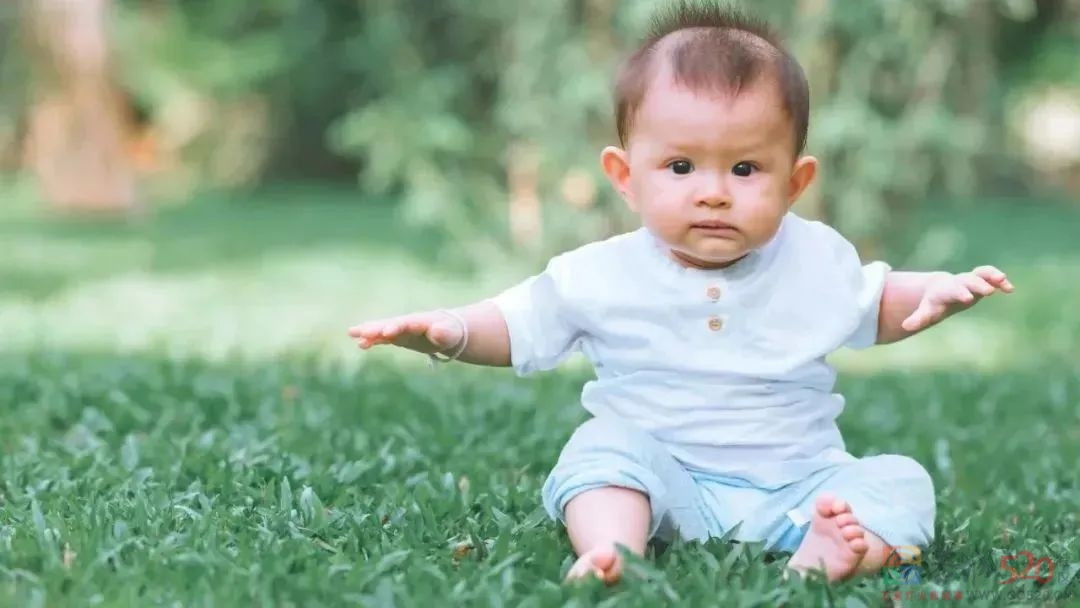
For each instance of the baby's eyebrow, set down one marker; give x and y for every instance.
(700, 148)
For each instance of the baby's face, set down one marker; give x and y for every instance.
(711, 176)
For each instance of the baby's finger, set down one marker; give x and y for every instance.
(989, 273)
(958, 291)
(977, 284)
(365, 330)
(915, 322)
(1003, 284)
(923, 317)
(995, 277)
(366, 343)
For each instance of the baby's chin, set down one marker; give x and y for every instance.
(705, 258)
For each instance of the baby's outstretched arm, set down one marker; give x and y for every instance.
(441, 332)
(913, 301)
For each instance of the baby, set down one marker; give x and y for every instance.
(713, 409)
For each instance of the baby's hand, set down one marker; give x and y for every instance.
(948, 293)
(426, 332)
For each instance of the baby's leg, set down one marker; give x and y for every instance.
(864, 510)
(600, 520)
(617, 485)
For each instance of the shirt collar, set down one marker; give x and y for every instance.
(749, 265)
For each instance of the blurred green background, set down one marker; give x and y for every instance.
(252, 177)
(197, 199)
(217, 177)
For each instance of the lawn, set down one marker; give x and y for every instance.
(185, 422)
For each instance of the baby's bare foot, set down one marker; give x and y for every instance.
(835, 541)
(603, 562)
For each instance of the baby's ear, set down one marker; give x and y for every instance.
(802, 175)
(616, 165)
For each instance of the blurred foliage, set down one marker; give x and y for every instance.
(468, 111)
(13, 78)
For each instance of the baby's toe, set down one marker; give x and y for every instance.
(601, 563)
(824, 504)
(852, 532)
(840, 506)
(846, 519)
(604, 559)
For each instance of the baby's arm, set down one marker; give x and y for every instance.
(442, 332)
(913, 301)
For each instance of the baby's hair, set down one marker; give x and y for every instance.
(712, 47)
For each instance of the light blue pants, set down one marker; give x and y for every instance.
(892, 496)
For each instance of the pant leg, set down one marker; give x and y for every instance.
(891, 496)
(609, 452)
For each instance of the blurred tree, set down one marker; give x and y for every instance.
(12, 85)
(77, 121)
(907, 105)
(486, 117)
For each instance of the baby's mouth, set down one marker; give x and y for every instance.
(714, 225)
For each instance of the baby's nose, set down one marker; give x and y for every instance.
(714, 192)
(716, 201)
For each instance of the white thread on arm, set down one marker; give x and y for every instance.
(437, 357)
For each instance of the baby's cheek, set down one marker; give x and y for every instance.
(764, 228)
(660, 220)
(667, 225)
(671, 213)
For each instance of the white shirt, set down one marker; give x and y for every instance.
(725, 367)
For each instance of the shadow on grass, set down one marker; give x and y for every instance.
(209, 232)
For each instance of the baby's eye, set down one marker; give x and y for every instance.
(743, 169)
(681, 167)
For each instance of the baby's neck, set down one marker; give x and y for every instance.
(689, 262)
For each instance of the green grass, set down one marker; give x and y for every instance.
(279, 272)
(293, 484)
(185, 424)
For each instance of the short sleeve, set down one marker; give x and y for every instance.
(869, 285)
(539, 320)
(859, 286)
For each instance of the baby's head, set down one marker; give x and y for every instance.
(712, 117)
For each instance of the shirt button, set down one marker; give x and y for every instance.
(716, 323)
(713, 293)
